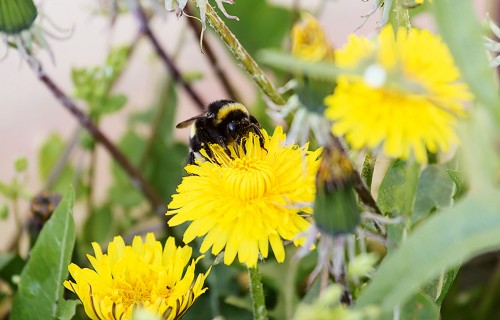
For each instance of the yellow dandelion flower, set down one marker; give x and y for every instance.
(408, 98)
(243, 202)
(144, 275)
(309, 40)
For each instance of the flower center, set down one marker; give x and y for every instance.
(249, 179)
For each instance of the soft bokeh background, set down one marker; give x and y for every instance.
(29, 113)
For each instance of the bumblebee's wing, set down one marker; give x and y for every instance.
(188, 122)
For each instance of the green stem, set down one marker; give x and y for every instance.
(257, 293)
(248, 63)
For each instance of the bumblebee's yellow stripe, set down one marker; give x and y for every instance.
(225, 110)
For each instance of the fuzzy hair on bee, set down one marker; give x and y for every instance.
(225, 122)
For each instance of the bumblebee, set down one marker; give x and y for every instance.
(224, 123)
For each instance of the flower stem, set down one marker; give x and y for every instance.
(248, 63)
(257, 293)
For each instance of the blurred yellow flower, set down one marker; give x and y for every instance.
(243, 201)
(144, 275)
(406, 98)
(309, 40)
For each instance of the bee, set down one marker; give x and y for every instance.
(224, 123)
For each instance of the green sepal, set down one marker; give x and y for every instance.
(336, 212)
(16, 15)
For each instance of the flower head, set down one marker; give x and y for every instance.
(144, 275)
(309, 40)
(243, 201)
(407, 98)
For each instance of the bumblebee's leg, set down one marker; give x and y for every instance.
(191, 157)
(256, 129)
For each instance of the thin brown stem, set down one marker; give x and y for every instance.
(162, 54)
(136, 177)
(212, 58)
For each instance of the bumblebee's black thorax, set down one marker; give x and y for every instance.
(224, 122)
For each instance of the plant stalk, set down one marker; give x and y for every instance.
(257, 293)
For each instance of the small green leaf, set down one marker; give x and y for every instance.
(397, 190)
(112, 104)
(440, 243)
(21, 164)
(48, 156)
(420, 307)
(459, 180)
(10, 266)
(435, 191)
(41, 285)
(4, 212)
(66, 309)
(287, 62)
(16, 15)
(99, 226)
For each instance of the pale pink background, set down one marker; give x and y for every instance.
(29, 113)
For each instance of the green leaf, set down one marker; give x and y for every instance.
(435, 191)
(41, 285)
(66, 309)
(420, 307)
(10, 266)
(459, 180)
(16, 15)
(99, 226)
(4, 212)
(21, 164)
(111, 104)
(260, 17)
(457, 21)
(287, 62)
(48, 156)
(397, 190)
(440, 243)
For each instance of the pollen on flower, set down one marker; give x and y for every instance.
(144, 275)
(408, 105)
(246, 200)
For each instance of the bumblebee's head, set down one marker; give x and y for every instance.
(238, 127)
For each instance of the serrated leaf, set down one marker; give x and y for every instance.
(41, 285)
(440, 243)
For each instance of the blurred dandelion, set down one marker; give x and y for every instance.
(309, 43)
(406, 99)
